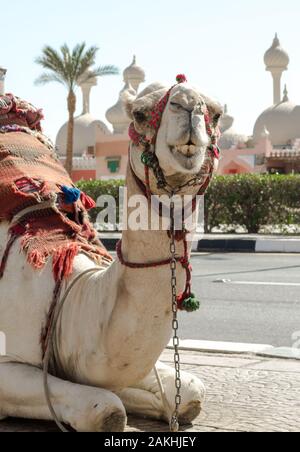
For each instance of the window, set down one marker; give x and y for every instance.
(260, 159)
(113, 165)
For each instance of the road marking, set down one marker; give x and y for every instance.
(256, 283)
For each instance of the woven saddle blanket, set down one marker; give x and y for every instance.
(37, 196)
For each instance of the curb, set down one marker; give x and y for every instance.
(235, 348)
(231, 245)
(225, 245)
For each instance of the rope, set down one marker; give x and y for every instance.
(164, 399)
(49, 347)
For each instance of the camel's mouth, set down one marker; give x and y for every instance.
(188, 156)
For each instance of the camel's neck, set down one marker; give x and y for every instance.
(150, 244)
(126, 313)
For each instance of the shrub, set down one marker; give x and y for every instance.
(253, 201)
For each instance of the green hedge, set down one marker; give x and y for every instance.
(253, 201)
(248, 201)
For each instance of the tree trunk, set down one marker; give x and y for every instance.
(70, 139)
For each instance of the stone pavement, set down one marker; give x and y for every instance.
(245, 393)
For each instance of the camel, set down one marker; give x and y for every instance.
(116, 321)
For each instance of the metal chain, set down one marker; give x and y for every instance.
(174, 423)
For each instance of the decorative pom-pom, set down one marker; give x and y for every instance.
(87, 201)
(191, 304)
(71, 194)
(188, 303)
(181, 78)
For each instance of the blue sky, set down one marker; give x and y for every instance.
(219, 45)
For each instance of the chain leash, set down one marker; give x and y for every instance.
(174, 423)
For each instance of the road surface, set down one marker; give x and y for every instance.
(253, 298)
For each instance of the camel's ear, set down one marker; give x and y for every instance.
(128, 99)
(215, 110)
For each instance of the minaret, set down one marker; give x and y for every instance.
(2, 80)
(117, 116)
(276, 61)
(134, 75)
(86, 88)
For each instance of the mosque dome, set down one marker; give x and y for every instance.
(282, 121)
(229, 137)
(87, 132)
(117, 116)
(276, 57)
(134, 75)
(226, 120)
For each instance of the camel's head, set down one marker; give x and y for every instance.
(177, 121)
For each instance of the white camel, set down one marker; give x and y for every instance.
(116, 322)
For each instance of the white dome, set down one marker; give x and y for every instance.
(134, 75)
(226, 120)
(276, 57)
(87, 132)
(282, 121)
(229, 137)
(117, 116)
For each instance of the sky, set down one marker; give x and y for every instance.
(219, 45)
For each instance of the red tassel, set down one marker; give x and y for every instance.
(87, 201)
(63, 261)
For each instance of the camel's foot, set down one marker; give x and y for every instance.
(96, 410)
(145, 398)
(84, 408)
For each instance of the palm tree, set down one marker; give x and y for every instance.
(71, 68)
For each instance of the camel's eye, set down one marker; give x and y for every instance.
(217, 117)
(139, 116)
(175, 105)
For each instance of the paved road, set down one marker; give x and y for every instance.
(260, 303)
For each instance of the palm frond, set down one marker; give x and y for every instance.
(51, 60)
(87, 61)
(45, 78)
(107, 70)
(71, 67)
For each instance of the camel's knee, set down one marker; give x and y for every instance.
(192, 393)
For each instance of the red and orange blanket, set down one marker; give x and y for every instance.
(37, 197)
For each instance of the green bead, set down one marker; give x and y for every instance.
(147, 159)
(191, 304)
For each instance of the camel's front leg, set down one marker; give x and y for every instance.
(145, 398)
(86, 409)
